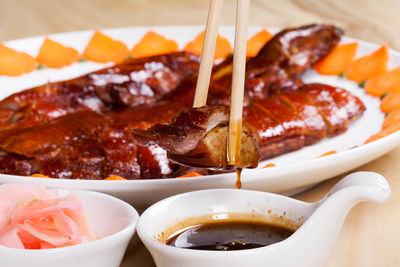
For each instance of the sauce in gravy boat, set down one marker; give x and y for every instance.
(318, 224)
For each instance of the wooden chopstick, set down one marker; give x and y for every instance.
(207, 57)
(238, 79)
(238, 76)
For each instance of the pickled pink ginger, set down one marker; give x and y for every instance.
(33, 217)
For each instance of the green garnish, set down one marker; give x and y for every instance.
(342, 75)
(384, 95)
(362, 84)
(387, 114)
(128, 58)
(81, 60)
(41, 67)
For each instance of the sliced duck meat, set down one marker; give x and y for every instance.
(154, 162)
(83, 158)
(315, 129)
(337, 106)
(129, 118)
(11, 163)
(39, 139)
(132, 83)
(146, 116)
(120, 152)
(198, 137)
(295, 50)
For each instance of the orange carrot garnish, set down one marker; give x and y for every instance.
(368, 66)
(328, 153)
(255, 43)
(269, 165)
(384, 132)
(38, 175)
(391, 119)
(337, 60)
(55, 55)
(153, 44)
(386, 82)
(102, 48)
(191, 174)
(391, 102)
(222, 49)
(115, 177)
(14, 63)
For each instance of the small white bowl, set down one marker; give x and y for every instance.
(309, 246)
(113, 220)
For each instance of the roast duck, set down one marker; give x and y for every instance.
(122, 120)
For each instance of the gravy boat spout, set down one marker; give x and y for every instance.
(318, 223)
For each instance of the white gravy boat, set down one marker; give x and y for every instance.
(309, 246)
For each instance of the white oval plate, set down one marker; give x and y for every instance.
(293, 171)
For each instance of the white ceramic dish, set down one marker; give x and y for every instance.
(293, 171)
(111, 219)
(309, 246)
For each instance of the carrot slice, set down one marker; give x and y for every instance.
(102, 48)
(55, 55)
(38, 175)
(328, 153)
(386, 82)
(222, 48)
(191, 174)
(368, 66)
(391, 119)
(269, 165)
(384, 132)
(115, 177)
(153, 44)
(337, 60)
(14, 63)
(391, 102)
(255, 43)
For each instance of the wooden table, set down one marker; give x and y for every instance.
(370, 236)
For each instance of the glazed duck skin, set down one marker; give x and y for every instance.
(280, 63)
(83, 145)
(82, 128)
(283, 122)
(136, 82)
(277, 67)
(301, 117)
(295, 50)
(198, 137)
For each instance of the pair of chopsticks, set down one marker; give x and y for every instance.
(239, 68)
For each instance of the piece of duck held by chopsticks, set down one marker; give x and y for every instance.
(198, 137)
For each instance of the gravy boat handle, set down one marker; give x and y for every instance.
(322, 228)
(360, 186)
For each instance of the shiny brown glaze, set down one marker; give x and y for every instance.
(198, 137)
(286, 56)
(276, 68)
(294, 50)
(66, 129)
(133, 83)
(337, 106)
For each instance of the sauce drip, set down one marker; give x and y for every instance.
(234, 142)
(232, 235)
(238, 178)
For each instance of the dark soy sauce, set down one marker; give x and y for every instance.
(229, 236)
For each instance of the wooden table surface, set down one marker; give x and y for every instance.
(371, 235)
